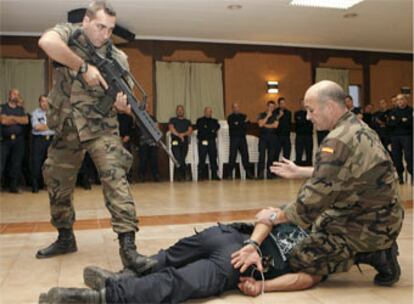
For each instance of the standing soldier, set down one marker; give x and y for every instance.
(304, 139)
(78, 87)
(401, 123)
(126, 123)
(237, 132)
(283, 131)
(380, 123)
(181, 130)
(42, 137)
(13, 120)
(207, 127)
(268, 123)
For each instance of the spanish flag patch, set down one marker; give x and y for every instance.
(328, 150)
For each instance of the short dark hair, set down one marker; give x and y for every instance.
(349, 96)
(271, 102)
(96, 6)
(281, 99)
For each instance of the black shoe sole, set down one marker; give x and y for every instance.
(95, 277)
(41, 256)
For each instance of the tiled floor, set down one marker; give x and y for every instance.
(169, 211)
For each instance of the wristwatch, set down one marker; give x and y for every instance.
(273, 218)
(83, 68)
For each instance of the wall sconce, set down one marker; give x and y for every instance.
(272, 87)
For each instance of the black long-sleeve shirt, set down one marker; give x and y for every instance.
(237, 124)
(207, 128)
(401, 121)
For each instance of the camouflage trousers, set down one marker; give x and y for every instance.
(112, 160)
(322, 254)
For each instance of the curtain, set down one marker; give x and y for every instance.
(193, 85)
(26, 75)
(340, 76)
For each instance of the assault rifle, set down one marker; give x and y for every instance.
(116, 78)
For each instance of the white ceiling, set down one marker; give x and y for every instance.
(381, 25)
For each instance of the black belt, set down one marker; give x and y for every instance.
(45, 137)
(11, 137)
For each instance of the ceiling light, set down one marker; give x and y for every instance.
(234, 6)
(338, 4)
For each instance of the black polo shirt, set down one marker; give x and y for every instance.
(303, 126)
(181, 125)
(16, 129)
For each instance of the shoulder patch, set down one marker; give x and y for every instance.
(328, 150)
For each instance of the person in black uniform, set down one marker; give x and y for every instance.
(380, 124)
(12, 120)
(148, 154)
(268, 123)
(283, 131)
(367, 116)
(237, 132)
(207, 127)
(401, 123)
(181, 130)
(349, 102)
(41, 138)
(304, 137)
(204, 264)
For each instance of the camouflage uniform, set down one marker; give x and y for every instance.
(351, 202)
(80, 128)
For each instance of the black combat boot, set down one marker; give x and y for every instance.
(385, 262)
(61, 295)
(65, 243)
(131, 259)
(94, 277)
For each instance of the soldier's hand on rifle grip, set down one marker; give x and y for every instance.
(93, 77)
(121, 104)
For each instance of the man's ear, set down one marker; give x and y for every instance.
(85, 21)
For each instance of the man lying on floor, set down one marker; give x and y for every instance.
(203, 265)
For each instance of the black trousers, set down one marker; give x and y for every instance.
(238, 144)
(400, 143)
(195, 267)
(40, 144)
(207, 147)
(266, 143)
(386, 141)
(283, 143)
(304, 143)
(12, 152)
(148, 154)
(180, 151)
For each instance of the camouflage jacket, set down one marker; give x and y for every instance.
(353, 189)
(69, 98)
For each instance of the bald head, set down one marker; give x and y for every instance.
(325, 104)
(326, 90)
(208, 112)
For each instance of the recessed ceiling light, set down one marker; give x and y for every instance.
(234, 6)
(350, 15)
(338, 4)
